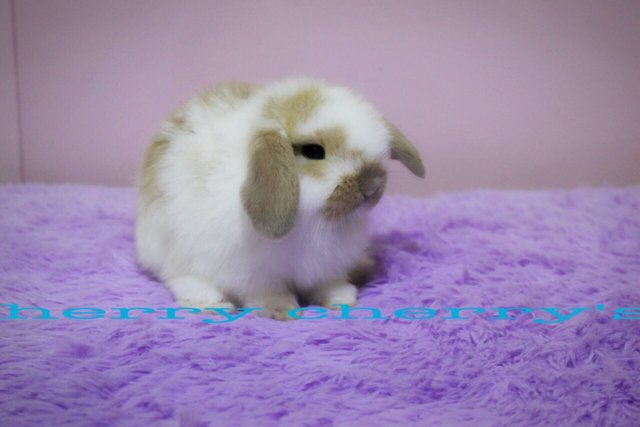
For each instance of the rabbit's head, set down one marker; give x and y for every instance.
(319, 150)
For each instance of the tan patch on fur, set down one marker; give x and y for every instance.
(403, 150)
(178, 121)
(344, 199)
(231, 93)
(241, 90)
(293, 110)
(149, 177)
(363, 271)
(334, 142)
(228, 94)
(364, 187)
(271, 191)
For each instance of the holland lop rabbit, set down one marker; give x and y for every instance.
(250, 195)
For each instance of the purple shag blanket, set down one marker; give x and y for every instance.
(72, 246)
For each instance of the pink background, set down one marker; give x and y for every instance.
(503, 94)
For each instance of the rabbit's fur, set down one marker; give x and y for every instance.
(233, 212)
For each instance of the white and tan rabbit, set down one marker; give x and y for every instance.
(250, 194)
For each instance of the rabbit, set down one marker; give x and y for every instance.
(250, 195)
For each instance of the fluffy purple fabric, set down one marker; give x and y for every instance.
(72, 246)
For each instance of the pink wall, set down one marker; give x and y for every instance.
(9, 140)
(495, 93)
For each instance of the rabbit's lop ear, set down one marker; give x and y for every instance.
(402, 149)
(271, 191)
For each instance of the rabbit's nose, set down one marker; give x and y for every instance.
(372, 186)
(371, 181)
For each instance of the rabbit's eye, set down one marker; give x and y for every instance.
(313, 151)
